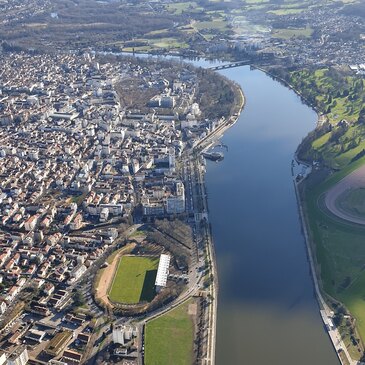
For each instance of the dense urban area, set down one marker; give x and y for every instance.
(106, 251)
(94, 149)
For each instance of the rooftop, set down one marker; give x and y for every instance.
(163, 270)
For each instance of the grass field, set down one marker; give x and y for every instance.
(290, 33)
(178, 8)
(169, 338)
(339, 98)
(286, 11)
(216, 24)
(353, 202)
(124, 250)
(168, 42)
(134, 280)
(340, 251)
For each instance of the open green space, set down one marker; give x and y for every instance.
(337, 95)
(168, 42)
(340, 251)
(215, 24)
(321, 141)
(179, 8)
(134, 280)
(169, 338)
(292, 32)
(154, 42)
(286, 11)
(340, 99)
(353, 202)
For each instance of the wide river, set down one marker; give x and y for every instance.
(267, 311)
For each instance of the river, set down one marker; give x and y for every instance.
(267, 310)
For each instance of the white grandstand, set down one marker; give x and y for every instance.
(162, 272)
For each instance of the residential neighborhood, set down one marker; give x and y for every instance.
(76, 162)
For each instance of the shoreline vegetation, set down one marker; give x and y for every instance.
(335, 148)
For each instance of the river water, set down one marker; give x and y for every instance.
(267, 311)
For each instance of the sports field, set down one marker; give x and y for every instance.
(352, 202)
(346, 198)
(169, 338)
(134, 280)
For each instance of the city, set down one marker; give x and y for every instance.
(75, 162)
(182, 182)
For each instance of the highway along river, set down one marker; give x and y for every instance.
(267, 311)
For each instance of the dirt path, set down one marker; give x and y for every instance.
(352, 181)
(107, 275)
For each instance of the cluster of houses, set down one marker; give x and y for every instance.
(75, 162)
(62, 344)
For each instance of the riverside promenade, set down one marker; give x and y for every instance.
(209, 359)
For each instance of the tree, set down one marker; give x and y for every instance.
(78, 299)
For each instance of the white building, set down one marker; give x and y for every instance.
(19, 356)
(172, 162)
(2, 307)
(77, 272)
(2, 359)
(175, 204)
(31, 223)
(104, 214)
(162, 272)
(57, 362)
(123, 334)
(113, 209)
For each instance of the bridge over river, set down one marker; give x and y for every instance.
(231, 65)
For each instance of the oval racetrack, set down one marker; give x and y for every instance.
(354, 180)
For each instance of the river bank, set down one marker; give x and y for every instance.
(246, 192)
(291, 87)
(255, 244)
(217, 133)
(207, 229)
(325, 311)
